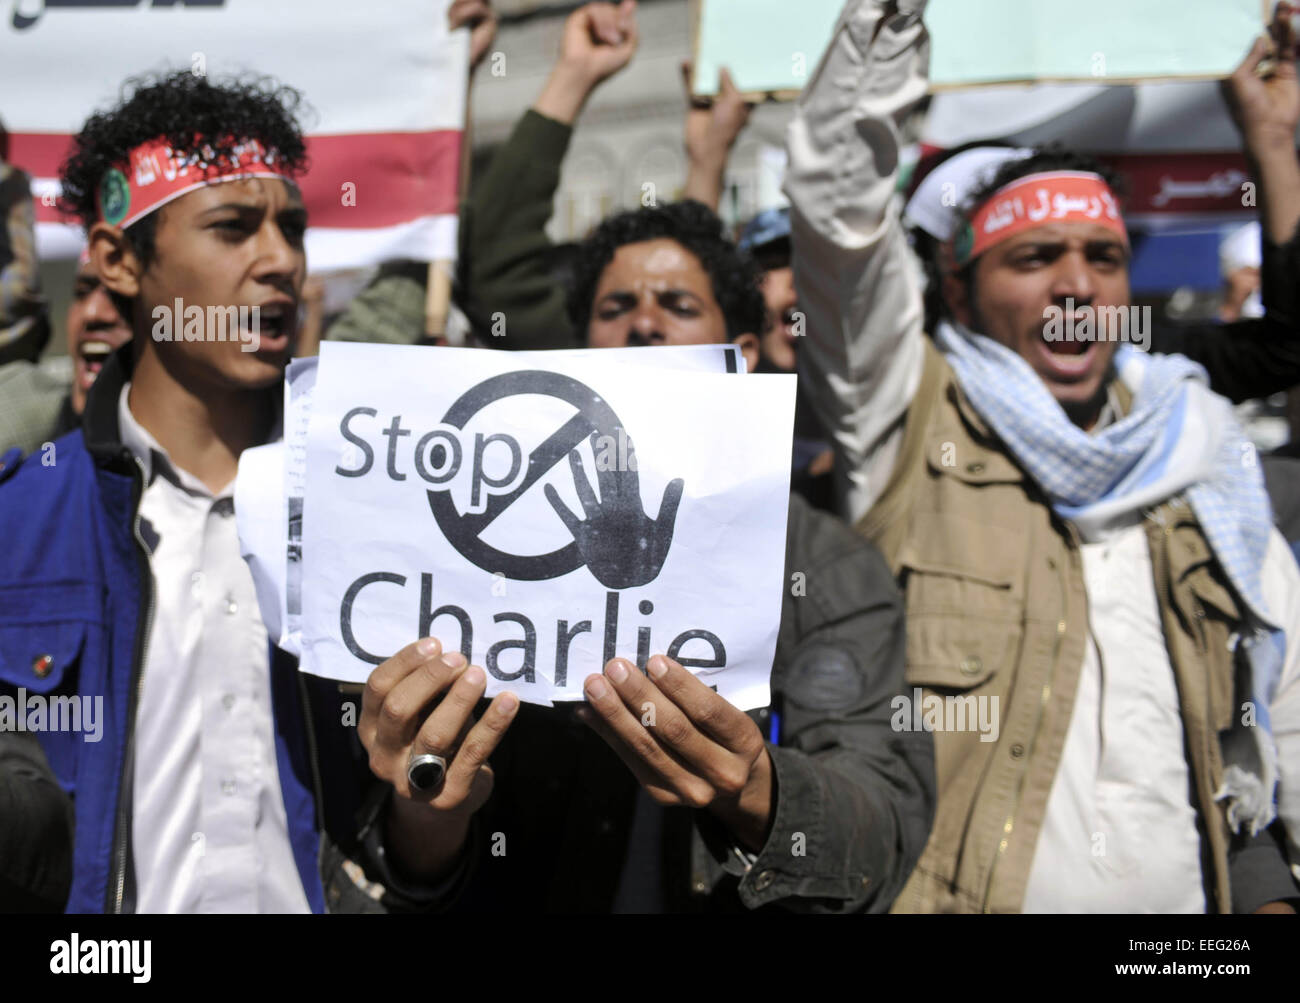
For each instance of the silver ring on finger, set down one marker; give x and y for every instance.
(425, 773)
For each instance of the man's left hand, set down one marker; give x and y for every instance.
(684, 743)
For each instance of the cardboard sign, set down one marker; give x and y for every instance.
(1102, 41)
(772, 47)
(541, 512)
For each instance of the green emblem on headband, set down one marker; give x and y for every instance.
(964, 243)
(114, 196)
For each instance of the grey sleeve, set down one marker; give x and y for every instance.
(31, 399)
(854, 798)
(1258, 871)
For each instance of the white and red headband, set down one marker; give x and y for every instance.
(155, 174)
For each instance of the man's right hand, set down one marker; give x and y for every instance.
(422, 701)
(599, 40)
(712, 127)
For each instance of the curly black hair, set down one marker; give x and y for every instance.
(1050, 157)
(188, 111)
(733, 274)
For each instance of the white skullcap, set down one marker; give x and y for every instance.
(1240, 249)
(967, 172)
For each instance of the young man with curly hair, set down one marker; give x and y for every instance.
(217, 769)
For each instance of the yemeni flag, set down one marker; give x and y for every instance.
(385, 83)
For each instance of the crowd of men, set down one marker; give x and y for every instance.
(1071, 532)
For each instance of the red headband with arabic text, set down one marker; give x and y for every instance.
(1037, 200)
(155, 174)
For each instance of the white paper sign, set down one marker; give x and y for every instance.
(544, 512)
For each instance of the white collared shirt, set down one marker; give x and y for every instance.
(1120, 830)
(209, 831)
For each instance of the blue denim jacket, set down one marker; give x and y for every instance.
(76, 597)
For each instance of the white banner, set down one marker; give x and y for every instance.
(385, 84)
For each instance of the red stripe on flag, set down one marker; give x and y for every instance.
(398, 176)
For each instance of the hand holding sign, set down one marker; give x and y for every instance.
(427, 831)
(620, 544)
(685, 744)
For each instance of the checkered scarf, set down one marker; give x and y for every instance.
(1179, 439)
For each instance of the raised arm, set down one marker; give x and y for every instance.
(508, 286)
(506, 281)
(712, 127)
(1260, 356)
(862, 361)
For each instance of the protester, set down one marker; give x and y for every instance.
(217, 766)
(40, 405)
(1027, 488)
(1239, 264)
(1245, 358)
(578, 834)
(767, 238)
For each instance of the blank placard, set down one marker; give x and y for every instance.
(771, 47)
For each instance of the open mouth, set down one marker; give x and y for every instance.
(94, 354)
(271, 328)
(1067, 358)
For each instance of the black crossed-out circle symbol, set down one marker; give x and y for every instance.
(463, 530)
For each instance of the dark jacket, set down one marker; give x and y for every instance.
(35, 829)
(567, 828)
(76, 602)
(1256, 357)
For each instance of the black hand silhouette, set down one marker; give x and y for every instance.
(621, 545)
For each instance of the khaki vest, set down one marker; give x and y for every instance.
(996, 606)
